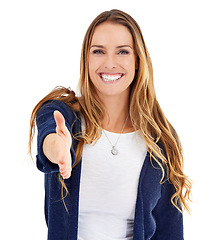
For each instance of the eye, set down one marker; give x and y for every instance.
(123, 52)
(98, 51)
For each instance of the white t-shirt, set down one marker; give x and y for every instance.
(108, 187)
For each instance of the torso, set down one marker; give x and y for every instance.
(108, 186)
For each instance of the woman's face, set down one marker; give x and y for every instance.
(112, 60)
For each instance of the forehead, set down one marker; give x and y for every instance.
(109, 33)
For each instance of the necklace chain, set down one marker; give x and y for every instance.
(114, 150)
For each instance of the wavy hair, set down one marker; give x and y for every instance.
(146, 115)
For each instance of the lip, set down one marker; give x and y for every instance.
(111, 74)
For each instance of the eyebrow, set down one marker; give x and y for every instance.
(101, 46)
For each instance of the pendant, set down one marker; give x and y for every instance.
(114, 150)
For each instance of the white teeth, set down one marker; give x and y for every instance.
(108, 78)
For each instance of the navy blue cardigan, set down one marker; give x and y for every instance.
(155, 217)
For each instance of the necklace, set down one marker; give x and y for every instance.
(114, 150)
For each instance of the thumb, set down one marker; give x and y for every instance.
(60, 122)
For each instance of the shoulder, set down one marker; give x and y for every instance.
(50, 106)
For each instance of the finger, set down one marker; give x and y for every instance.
(64, 167)
(66, 174)
(65, 171)
(60, 121)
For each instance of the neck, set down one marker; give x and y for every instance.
(117, 110)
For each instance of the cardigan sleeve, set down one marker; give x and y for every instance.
(169, 221)
(46, 125)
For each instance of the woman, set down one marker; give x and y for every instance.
(113, 163)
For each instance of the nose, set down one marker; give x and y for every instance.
(110, 61)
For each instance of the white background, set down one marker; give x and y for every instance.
(40, 44)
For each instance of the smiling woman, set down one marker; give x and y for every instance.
(127, 179)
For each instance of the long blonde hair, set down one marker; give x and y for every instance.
(144, 109)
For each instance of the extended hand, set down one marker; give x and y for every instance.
(57, 146)
(64, 141)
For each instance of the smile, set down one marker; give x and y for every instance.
(111, 77)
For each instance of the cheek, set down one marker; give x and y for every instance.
(93, 66)
(90, 66)
(94, 63)
(129, 64)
